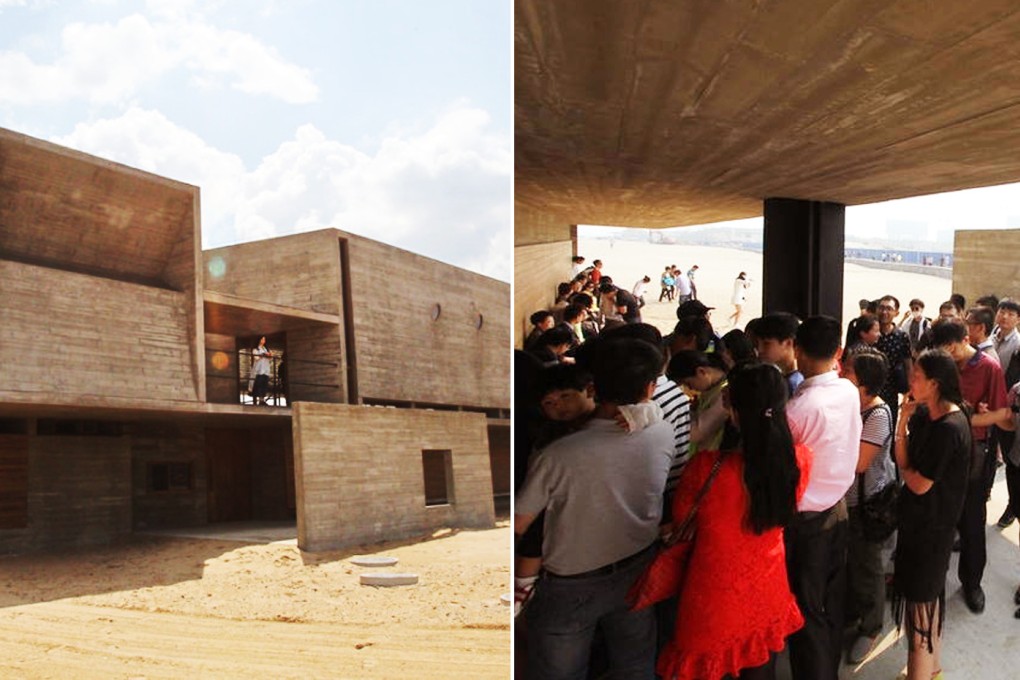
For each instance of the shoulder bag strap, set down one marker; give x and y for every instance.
(685, 530)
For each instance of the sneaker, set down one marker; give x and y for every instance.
(1007, 518)
(524, 588)
(860, 649)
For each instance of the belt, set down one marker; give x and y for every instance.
(831, 515)
(609, 568)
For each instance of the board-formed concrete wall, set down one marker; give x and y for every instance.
(67, 335)
(403, 353)
(299, 271)
(543, 247)
(985, 262)
(359, 478)
(79, 493)
(167, 442)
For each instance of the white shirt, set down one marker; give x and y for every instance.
(825, 416)
(640, 288)
(740, 287)
(683, 284)
(262, 365)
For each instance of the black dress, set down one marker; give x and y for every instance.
(940, 450)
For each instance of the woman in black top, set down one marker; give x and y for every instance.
(932, 445)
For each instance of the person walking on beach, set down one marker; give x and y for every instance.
(684, 288)
(740, 286)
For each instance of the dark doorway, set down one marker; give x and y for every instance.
(499, 464)
(250, 474)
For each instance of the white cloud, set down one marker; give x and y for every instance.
(444, 192)
(109, 63)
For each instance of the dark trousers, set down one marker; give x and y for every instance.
(1004, 441)
(565, 613)
(1013, 485)
(816, 565)
(865, 578)
(972, 522)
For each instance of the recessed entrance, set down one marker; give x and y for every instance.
(251, 474)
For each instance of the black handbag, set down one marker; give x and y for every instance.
(879, 511)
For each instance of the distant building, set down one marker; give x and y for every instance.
(126, 353)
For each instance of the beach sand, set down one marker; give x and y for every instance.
(627, 261)
(164, 607)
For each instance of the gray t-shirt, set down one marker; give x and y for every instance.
(601, 489)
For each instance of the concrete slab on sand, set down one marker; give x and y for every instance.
(263, 532)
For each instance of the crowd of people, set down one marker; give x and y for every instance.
(690, 505)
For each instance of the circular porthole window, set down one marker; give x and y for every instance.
(436, 311)
(479, 320)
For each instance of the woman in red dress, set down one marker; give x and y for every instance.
(735, 606)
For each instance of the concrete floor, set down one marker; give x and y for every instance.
(282, 532)
(985, 646)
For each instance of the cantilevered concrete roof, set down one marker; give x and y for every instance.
(236, 316)
(670, 112)
(69, 210)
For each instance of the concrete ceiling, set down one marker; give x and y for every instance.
(65, 209)
(237, 317)
(660, 113)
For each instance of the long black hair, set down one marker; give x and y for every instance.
(757, 393)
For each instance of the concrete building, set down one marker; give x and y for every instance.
(125, 355)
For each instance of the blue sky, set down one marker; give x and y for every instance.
(390, 119)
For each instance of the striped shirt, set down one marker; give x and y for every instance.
(676, 410)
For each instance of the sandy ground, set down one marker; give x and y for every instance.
(162, 607)
(627, 261)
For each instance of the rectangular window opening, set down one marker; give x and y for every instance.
(437, 467)
(169, 477)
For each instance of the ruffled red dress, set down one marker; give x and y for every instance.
(735, 603)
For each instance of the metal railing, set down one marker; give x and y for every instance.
(238, 368)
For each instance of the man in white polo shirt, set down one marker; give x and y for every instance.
(824, 414)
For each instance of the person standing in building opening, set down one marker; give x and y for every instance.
(261, 368)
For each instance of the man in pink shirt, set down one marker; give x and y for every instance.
(824, 414)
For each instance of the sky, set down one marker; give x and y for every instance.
(924, 221)
(390, 119)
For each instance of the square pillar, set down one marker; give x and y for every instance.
(803, 257)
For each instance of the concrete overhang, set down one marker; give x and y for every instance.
(68, 210)
(679, 112)
(20, 405)
(236, 316)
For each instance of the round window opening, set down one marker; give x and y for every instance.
(479, 320)
(436, 311)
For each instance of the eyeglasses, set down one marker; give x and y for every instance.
(887, 307)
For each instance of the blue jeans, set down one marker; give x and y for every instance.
(564, 614)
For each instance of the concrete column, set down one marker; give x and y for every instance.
(803, 258)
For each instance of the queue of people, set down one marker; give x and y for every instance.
(790, 456)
